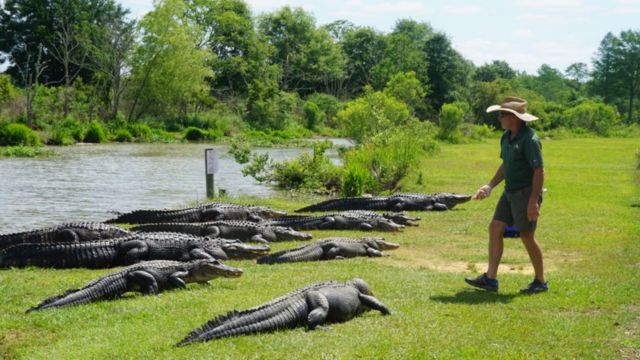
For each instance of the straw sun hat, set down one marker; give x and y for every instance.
(514, 105)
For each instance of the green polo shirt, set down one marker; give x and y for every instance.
(520, 156)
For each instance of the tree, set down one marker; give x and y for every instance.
(449, 73)
(616, 74)
(169, 70)
(407, 88)
(363, 48)
(227, 29)
(496, 70)
(309, 58)
(577, 72)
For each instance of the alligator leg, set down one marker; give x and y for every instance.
(175, 279)
(439, 207)
(134, 251)
(198, 253)
(373, 303)
(327, 223)
(320, 309)
(259, 238)
(67, 235)
(373, 252)
(212, 231)
(144, 281)
(366, 226)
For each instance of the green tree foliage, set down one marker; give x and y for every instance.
(312, 114)
(329, 106)
(373, 113)
(228, 30)
(592, 116)
(7, 90)
(550, 83)
(169, 70)
(485, 94)
(497, 69)
(363, 48)
(307, 56)
(407, 88)
(402, 54)
(449, 73)
(95, 133)
(267, 107)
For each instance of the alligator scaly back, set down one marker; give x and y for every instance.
(311, 305)
(68, 232)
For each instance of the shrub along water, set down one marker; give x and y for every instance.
(15, 134)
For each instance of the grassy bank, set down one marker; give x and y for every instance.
(589, 228)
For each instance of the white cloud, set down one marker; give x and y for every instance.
(465, 9)
(547, 4)
(522, 33)
(552, 18)
(367, 9)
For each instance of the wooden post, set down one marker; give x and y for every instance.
(211, 167)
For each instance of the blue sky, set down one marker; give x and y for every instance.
(525, 33)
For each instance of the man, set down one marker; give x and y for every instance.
(523, 173)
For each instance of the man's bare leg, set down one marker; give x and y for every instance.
(535, 253)
(496, 246)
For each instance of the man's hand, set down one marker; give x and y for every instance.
(533, 210)
(482, 193)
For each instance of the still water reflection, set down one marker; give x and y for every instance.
(87, 182)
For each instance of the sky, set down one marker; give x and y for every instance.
(524, 33)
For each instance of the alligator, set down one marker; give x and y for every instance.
(206, 212)
(127, 250)
(348, 220)
(400, 218)
(69, 232)
(230, 229)
(397, 202)
(313, 306)
(149, 277)
(331, 248)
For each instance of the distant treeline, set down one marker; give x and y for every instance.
(215, 67)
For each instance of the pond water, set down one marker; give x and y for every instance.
(88, 182)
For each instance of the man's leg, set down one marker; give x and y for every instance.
(535, 253)
(496, 246)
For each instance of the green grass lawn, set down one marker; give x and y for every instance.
(589, 230)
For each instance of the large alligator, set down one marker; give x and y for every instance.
(231, 229)
(348, 220)
(149, 277)
(312, 306)
(397, 202)
(69, 232)
(127, 250)
(331, 248)
(206, 212)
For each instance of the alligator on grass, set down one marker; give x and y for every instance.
(149, 277)
(69, 232)
(202, 213)
(348, 220)
(397, 202)
(331, 248)
(232, 229)
(312, 306)
(127, 250)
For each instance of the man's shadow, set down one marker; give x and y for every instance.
(472, 296)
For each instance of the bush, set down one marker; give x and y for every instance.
(308, 172)
(373, 113)
(95, 133)
(194, 134)
(25, 151)
(15, 134)
(593, 116)
(328, 105)
(313, 115)
(123, 135)
(355, 180)
(141, 132)
(67, 132)
(451, 117)
(389, 157)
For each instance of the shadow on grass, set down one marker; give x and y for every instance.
(475, 297)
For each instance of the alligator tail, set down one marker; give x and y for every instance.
(96, 255)
(287, 313)
(354, 203)
(103, 288)
(311, 252)
(158, 216)
(193, 229)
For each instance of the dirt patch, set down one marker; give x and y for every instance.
(418, 258)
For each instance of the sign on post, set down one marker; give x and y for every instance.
(211, 168)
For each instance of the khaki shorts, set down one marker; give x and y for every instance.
(512, 209)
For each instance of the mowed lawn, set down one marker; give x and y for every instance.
(589, 230)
